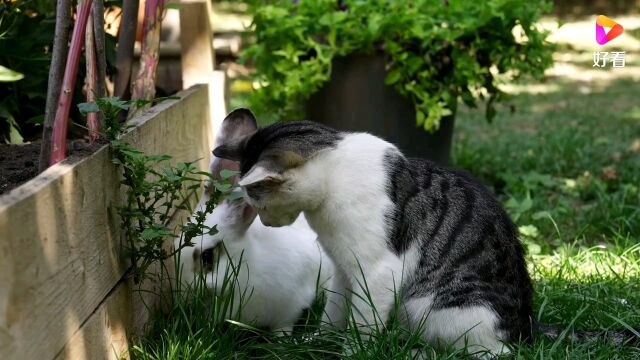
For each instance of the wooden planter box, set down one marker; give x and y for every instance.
(357, 99)
(62, 290)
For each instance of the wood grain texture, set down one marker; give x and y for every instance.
(60, 246)
(104, 335)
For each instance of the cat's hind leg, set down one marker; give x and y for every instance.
(473, 327)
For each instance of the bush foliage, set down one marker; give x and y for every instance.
(436, 51)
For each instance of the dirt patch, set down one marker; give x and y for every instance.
(19, 163)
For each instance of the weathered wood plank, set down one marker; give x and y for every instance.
(104, 335)
(60, 249)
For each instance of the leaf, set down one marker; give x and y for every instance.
(393, 76)
(541, 214)
(533, 248)
(14, 129)
(468, 98)
(235, 195)
(14, 135)
(420, 118)
(226, 173)
(8, 75)
(88, 107)
(159, 158)
(37, 120)
(222, 187)
(526, 204)
(528, 231)
(149, 234)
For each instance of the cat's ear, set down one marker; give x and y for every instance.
(238, 124)
(260, 174)
(234, 132)
(231, 150)
(240, 215)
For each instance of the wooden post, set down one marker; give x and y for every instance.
(196, 41)
(198, 56)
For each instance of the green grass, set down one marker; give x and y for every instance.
(587, 287)
(566, 164)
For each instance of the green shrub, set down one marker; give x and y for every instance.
(436, 51)
(26, 39)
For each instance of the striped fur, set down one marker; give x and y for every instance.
(469, 251)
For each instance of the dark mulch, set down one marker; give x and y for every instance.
(19, 163)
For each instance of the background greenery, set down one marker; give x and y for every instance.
(26, 39)
(436, 51)
(27, 29)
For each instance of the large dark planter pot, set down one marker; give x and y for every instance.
(357, 99)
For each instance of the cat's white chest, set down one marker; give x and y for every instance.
(351, 224)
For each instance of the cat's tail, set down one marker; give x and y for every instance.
(620, 337)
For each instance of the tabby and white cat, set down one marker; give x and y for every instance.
(435, 236)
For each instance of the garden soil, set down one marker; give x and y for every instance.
(19, 163)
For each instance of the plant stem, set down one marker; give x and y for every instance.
(56, 71)
(126, 41)
(93, 122)
(98, 31)
(59, 136)
(144, 85)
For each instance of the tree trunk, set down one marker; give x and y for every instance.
(98, 31)
(126, 42)
(56, 71)
(93, 122)
(144, 85)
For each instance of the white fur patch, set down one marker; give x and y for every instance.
(350, 221)
(473, 326)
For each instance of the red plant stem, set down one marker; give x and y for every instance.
(144, 86)
(93, 123)
(56, 72)
(59, 136)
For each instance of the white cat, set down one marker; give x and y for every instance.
(280, 268)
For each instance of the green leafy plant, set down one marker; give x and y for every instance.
(154, 190)
(26, 35)
(436, 51)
